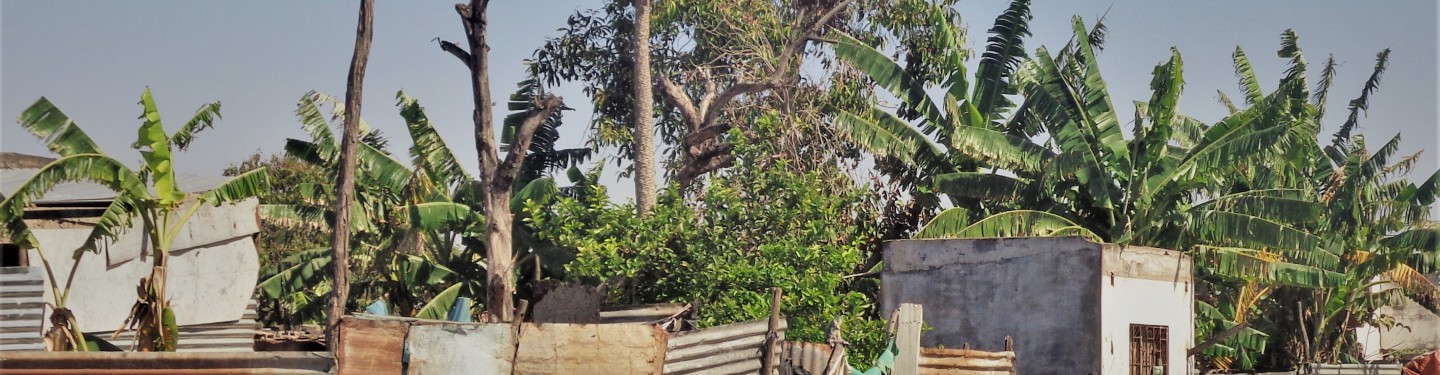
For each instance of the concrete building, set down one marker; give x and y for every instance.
(1070, 305)
(211, 281)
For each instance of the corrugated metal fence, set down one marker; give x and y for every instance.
(232, 336)
(809, 358)
(728, 349)
(22, 308)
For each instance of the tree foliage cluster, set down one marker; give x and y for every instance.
(768, 108)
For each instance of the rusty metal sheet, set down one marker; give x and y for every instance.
(934, 361)
(308, 363)
(808, 358)
(461, 349)
(590, 349)
(371, 346)
(727, 349)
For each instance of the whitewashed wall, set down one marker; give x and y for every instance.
(1138, 301)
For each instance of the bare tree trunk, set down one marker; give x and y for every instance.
(644, 144)
(496, 175)
(345, 194)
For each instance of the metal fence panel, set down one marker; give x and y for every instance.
(22, 308)
(727, 349)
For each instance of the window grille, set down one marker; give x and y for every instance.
(1149, 346)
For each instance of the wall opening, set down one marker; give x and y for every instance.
(1149, 348)
(12, 256)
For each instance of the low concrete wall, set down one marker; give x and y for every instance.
(1042, 292)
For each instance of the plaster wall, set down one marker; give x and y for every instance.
(1040, 291)
(1129, 301)
(1150, 286)
(1420, 330)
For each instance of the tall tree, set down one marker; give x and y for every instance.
(345, 194)
(644, 146)
(496, 175)
(702, 148)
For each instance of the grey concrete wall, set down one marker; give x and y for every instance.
(1421, 328)
(1043, 292)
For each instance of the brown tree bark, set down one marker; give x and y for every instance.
(496, 175)
(345, 194)
(644, 143)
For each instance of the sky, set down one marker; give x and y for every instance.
(258, 58)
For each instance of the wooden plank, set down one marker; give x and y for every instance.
(590, 349)
(907, 339)
(371, 346)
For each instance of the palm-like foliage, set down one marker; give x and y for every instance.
(1373, 218)
(951, 134)
(1238, 194)
(163, 210)
(419, 235)
(399, 215)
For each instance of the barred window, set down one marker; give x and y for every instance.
(1149, 346)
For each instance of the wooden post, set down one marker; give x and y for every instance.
(907, 339)
(772, 341)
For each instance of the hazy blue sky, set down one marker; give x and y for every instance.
(93, 58)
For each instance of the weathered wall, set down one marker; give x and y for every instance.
(461, 349)
(1150, 286)
(376, 345)
(1040, 291)
(1423, 330)
(207, 283)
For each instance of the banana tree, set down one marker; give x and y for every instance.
(163, 210)
(1374, 217)
(948, 132)
(420, 243)
(389, 258)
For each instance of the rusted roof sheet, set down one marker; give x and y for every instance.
(937, 361)
(289, 363)
(15, 160)
(727, 349)
(371, 346)
(809, 357)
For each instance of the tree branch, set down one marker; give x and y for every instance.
(544, 108)
(676, 96)
(457, 51)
